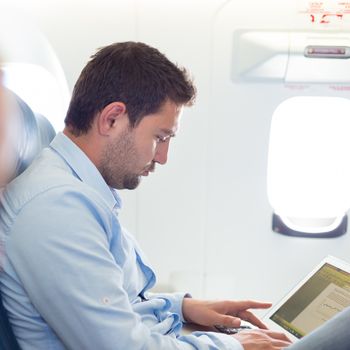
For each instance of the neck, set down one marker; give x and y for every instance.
(87, 143)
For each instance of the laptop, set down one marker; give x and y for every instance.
(314, 300)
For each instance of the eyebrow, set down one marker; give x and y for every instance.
(168, 132)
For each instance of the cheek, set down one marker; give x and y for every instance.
(147, 151)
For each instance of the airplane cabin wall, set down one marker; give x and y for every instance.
(204, 218)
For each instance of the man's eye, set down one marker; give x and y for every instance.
(161, 139)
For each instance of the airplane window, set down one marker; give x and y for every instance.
(39, 89)
(308, 178)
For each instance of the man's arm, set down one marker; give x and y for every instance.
(59, 249)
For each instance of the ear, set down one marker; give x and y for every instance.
(108, 118)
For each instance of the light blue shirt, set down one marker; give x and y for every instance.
(71, 277)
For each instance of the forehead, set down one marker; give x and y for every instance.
(167, 118)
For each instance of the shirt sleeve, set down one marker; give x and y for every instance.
(175, 299)
(59, 248)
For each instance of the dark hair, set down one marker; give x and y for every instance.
(130, 72)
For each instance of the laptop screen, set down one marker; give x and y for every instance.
(322, 296)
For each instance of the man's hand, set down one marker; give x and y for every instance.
(226, 313)
(261, 339)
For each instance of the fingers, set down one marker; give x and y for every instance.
(239, 308)
(251, 318)
(236, 307)
(279, 344)
(251, 304)
(227, 321)
(276, 335)
(262, 339)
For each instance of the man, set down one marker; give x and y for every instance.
(72, 277)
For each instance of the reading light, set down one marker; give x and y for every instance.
(327, 51)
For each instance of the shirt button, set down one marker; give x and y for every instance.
(106, 301)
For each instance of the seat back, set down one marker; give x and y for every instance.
(33, 133)
(7, 339)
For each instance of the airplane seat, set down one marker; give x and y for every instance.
(30, 134)
(35, 133)
(46, 130)
(8, 340)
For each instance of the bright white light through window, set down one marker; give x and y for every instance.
(309, 162)
(39, 89)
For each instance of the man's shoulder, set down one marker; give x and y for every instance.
(49, 174)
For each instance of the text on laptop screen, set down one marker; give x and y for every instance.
(323, 295)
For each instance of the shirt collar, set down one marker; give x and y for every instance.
(84, 169)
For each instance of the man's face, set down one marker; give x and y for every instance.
(135, 151)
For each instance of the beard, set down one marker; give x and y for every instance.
(117, 160)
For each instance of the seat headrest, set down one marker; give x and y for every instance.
(30, 134)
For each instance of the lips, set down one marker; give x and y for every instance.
(149, 170)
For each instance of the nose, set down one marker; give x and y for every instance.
(161, 156)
